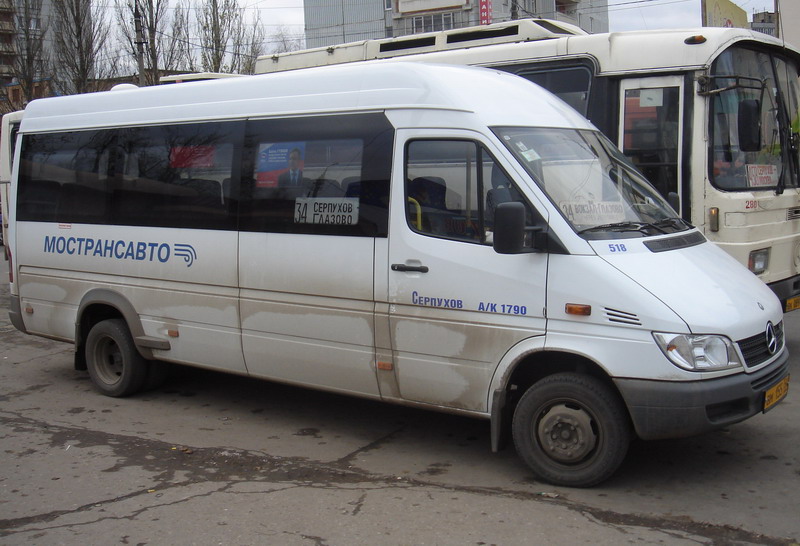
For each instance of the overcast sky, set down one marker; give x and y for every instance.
(623, 14)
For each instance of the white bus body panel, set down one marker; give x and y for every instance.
(307, 310)
(171, 288)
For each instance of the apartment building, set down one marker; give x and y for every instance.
(329, 22)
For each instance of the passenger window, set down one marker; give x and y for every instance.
(177, 176)
(64, 177)
(324, 176)
(570, 84)
(453, 188)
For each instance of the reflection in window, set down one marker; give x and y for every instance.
(177, 175)
(63, 177)
(589, 180)
(327, 176)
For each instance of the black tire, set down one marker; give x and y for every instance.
(571, 430)
(115, 366)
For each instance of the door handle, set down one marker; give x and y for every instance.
(415, 268)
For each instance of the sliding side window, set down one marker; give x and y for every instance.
(326, 175)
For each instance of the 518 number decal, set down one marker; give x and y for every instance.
(617, 247)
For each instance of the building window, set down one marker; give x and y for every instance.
(33, 23)
(431, 23)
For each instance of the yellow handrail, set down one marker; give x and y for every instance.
(419, 212)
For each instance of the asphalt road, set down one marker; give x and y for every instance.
(216, 459)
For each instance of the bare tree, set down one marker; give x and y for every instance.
(228, 42)
(162, 47)
(80, 36)
(30, 65)
(284, 40)
(248, 45)
(219, 22)
(186, 59)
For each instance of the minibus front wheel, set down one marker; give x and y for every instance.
(571, 430)
(115, 366)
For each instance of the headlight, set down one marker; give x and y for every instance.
(758, 261)
(699, 353)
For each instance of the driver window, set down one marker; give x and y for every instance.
(453, 188)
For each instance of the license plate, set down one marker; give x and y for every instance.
(793, 303)
(776, 393)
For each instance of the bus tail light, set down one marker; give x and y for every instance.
(10, 266)
(758, 261)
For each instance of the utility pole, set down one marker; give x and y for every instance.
(137, 25)
(514, 10)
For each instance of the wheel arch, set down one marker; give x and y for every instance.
(522, 367)
(103, 304)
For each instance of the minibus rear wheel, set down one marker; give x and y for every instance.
(571, 430)
(115, 366)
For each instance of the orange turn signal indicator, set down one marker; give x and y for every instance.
(578, 309)
(697, 39)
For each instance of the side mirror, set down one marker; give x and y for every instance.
(509, 228)
(674, 201)
(749, 121)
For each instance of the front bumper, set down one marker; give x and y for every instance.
(671, 409)
(787, 289)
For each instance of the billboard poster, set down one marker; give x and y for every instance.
(723, 13)
(276, 159)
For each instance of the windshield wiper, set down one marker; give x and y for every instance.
(625, 226)
(678, 223)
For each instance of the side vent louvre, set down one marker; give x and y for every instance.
(482, 34)
(622, 317)
(793, 214)
(412, 43)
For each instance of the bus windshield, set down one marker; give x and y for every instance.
(755, 121)
(593, 185)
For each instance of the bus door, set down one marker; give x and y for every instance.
(455, 305)
(651, 130)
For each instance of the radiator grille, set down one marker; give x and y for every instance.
(755, 349)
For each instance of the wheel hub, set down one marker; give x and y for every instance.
(566, 434)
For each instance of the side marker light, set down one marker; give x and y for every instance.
(695, 40)
(578, 309)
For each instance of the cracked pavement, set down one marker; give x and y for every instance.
(219, 459)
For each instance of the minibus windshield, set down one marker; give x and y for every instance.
(593, 185)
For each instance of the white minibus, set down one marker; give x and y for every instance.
(8, 135)
(388, 230)
(710, 116)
